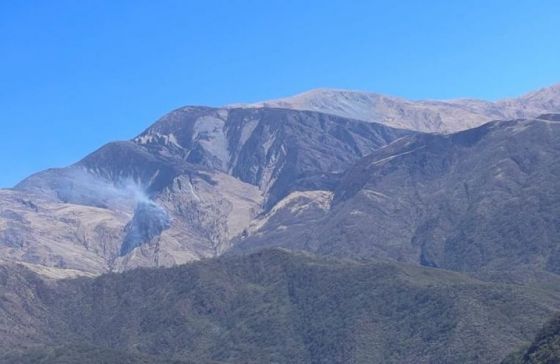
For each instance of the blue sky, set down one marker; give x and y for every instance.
(77, 74)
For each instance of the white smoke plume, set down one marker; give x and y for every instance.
(84, 187)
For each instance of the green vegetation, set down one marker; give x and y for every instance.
(82, 354)
(545, 349)
(273, 307)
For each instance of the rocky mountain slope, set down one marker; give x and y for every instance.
(422, 115)
(201, 180)
(483, 199)
(181, 190)
(272, 306)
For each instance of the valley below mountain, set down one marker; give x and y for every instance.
(273, 306)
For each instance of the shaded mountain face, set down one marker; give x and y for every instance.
(148, 223)
(483, 199)
(185, 187)
(424, 115)
(272, 306)
(277, 150)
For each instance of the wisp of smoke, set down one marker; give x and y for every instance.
(149, 218)
(83, 187)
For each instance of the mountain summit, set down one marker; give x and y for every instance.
(422, 115)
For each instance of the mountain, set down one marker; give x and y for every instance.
(204, 181)
(201, 181)
(271, 306)
(483, 199)
(181, 190)
(309, 237)
(423, 115)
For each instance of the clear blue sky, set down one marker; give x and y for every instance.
(77, 74)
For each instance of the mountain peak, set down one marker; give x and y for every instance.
(419, 115)
(545, 94)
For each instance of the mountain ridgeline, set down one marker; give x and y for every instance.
(210, 171)
(329, 227)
